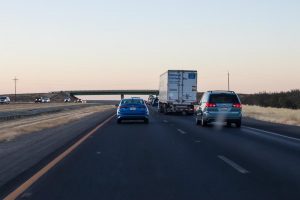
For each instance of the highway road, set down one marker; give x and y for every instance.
(172, 158)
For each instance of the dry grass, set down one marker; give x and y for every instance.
(276, 115)
(12, 129)
(28, 106)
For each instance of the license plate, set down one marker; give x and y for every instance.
(223, 109)
(132, 108)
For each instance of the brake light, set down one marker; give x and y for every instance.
(210, 105)
(237, 105)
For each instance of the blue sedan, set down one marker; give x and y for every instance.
(132, 109)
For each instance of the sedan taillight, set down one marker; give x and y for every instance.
(237, 105)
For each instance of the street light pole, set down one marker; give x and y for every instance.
(228, 81)
(15, 80)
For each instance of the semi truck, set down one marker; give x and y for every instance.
(178, 91)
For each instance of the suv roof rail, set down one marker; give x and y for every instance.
(227, 91)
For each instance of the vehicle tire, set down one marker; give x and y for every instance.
(197, 121)
(203, 122)
(119, 121)
(228, 124)
(146, 121)
(238, 124)
(161, 109)
(165, 110)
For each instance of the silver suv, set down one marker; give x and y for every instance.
(4, 100)
(219, 106)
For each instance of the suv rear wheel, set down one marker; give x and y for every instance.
(228, 124)
(238, 124)
(197, 121)
(203, 122)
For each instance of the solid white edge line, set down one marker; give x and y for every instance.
(272, 133)
(233, 164)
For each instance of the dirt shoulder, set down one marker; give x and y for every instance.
(274, 115)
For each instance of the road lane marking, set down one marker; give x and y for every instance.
(233, 164)
(165, 121)
(22, 188)
(197, 141)
(181, 131)
(271, 133)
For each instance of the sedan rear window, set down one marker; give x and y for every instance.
(223, 98)
(132, 101)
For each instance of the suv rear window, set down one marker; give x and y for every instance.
(132, 101)
(223, 98)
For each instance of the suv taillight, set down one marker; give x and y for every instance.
(210, 105)
(237, 105)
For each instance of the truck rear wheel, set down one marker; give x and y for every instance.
(161, 109)
(165, 109)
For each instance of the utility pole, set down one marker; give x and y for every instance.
(228, 81)
(15, 80)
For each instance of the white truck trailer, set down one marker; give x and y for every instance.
(178, 91)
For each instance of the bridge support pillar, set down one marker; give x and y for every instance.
(122, 96)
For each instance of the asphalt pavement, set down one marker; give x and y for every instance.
(172, 158)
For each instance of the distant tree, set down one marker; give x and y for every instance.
(290, 99)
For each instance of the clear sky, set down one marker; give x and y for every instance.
(93, 44)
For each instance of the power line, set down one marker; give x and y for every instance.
(15, 80)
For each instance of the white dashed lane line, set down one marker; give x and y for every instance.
(181, 131)
(233, 164)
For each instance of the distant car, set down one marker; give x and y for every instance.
(155, 102)
(45, 100)
(4, 100)
(67, 100)
(219, 106)
(78, 101)
(132, 109)
(42, 100)
(150, 99)
(38, 100)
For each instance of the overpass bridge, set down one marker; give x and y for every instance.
(112, 92)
